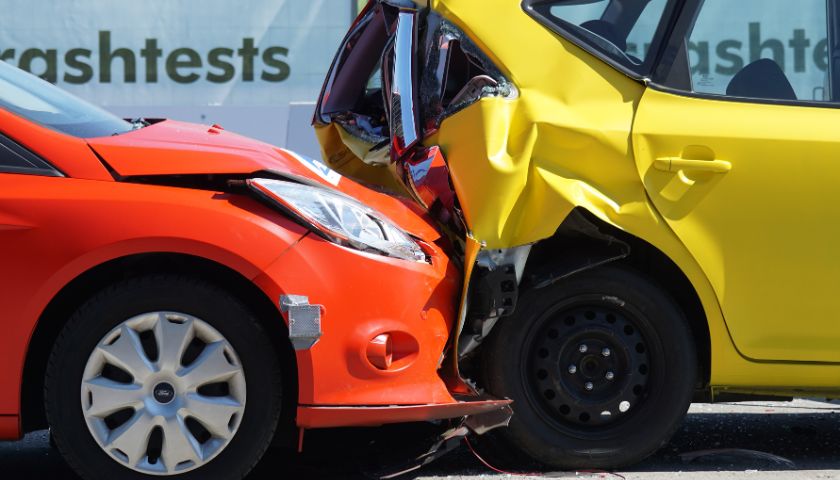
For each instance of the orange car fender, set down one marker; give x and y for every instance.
(139, 246)
(236, 232)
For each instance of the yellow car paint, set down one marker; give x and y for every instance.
(520, 165)
(760, 227)
(471, 249)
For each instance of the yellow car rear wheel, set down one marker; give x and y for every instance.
(601, 367)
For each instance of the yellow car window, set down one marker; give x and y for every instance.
(641, 36)
(761, 49)
(622, 31)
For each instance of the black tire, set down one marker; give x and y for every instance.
(654, 357)
(171, 293)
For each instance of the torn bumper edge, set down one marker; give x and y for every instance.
(482, 415)
(304, 320)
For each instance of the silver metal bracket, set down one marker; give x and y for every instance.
(304, 320)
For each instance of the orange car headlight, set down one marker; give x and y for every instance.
(340, 219)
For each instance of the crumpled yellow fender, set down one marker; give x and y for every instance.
(521, 165)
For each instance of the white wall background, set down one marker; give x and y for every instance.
(304, 35)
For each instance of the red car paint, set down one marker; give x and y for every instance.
(54, 229)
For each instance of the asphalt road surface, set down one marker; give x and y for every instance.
(805, 433)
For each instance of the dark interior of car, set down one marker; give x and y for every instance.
(762, 78)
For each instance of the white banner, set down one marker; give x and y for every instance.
(241, 53)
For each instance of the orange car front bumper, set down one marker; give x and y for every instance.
(363, 299)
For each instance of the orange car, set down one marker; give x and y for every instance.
(174, 294)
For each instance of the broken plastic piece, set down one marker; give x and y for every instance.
(485, 422)
(319, 416)
(445, 443)
(450, 440)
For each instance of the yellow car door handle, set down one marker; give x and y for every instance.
(677, 164)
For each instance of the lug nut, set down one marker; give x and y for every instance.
(572, 369)
(589, 386)
(606, 352)
(609, 375)
(583, 348)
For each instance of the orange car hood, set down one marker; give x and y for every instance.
(175, 148)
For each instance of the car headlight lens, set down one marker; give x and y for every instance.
(341, 219)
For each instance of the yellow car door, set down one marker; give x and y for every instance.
(738, 144)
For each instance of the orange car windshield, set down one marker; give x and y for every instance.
(40, 102)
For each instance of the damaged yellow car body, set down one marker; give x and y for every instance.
(660, 166)
(521, 165)
(566, 144)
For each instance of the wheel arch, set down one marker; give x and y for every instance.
(86, 284)
(584, 242)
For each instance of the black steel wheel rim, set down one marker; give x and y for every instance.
(587, 365)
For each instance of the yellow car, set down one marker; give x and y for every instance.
(640, 193)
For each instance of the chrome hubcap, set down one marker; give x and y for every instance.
(163, 393)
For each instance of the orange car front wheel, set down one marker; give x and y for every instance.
(163, 376)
